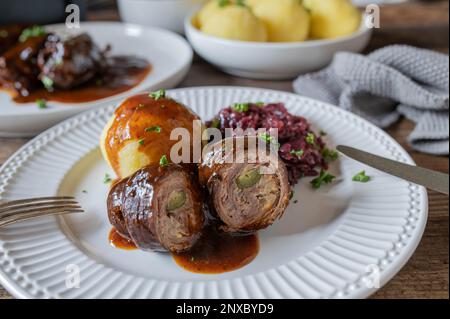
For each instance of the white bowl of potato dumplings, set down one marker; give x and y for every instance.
(256, 55)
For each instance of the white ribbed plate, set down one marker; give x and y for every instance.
(325, 246)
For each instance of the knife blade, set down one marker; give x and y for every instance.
(431, 179)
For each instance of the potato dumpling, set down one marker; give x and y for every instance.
(285, 20)
(208, 10)
(332, 18)
(232, 21)
(138, 134)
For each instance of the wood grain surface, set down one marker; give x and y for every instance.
(420, 23)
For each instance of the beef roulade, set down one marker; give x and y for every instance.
(245, 195)
(70, 63)
(158, 208)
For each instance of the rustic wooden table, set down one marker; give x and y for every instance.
(423, 24)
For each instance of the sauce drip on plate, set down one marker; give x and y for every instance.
(217, 253)
(117, 241)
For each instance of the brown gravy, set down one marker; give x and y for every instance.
(117, 241)
(124, 73)
(217, 253)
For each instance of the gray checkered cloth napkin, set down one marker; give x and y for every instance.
(391, 82)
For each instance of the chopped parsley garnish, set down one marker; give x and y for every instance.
(241, 107)
(330, 155)
(291, 195)
(59, 61)
(269, 139)
(310, 138)
(215, 123)
(160, 94)
(299, 153)
(47, 82)
(324, 178)
(163, 162)
(224, 3)
(41, 103)
(156, 129)
(361, 177)
(84, 191)
(260, 104)
(107, 179)
(35, 31)
(266, 137)
(141, 141)
(323, 133)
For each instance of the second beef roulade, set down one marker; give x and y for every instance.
(244, 197)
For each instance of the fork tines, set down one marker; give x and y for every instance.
(18, 210)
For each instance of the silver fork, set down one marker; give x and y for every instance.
(23, 209)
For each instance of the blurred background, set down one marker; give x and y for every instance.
(422, 23)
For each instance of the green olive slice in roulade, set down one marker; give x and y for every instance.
(248, 192)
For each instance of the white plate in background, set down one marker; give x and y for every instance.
(169, 54)
(328, 245)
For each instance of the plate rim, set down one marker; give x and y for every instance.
(400, 260)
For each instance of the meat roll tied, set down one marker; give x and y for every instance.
(158, 208)
(248, 192)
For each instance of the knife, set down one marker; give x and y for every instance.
(431, 179)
